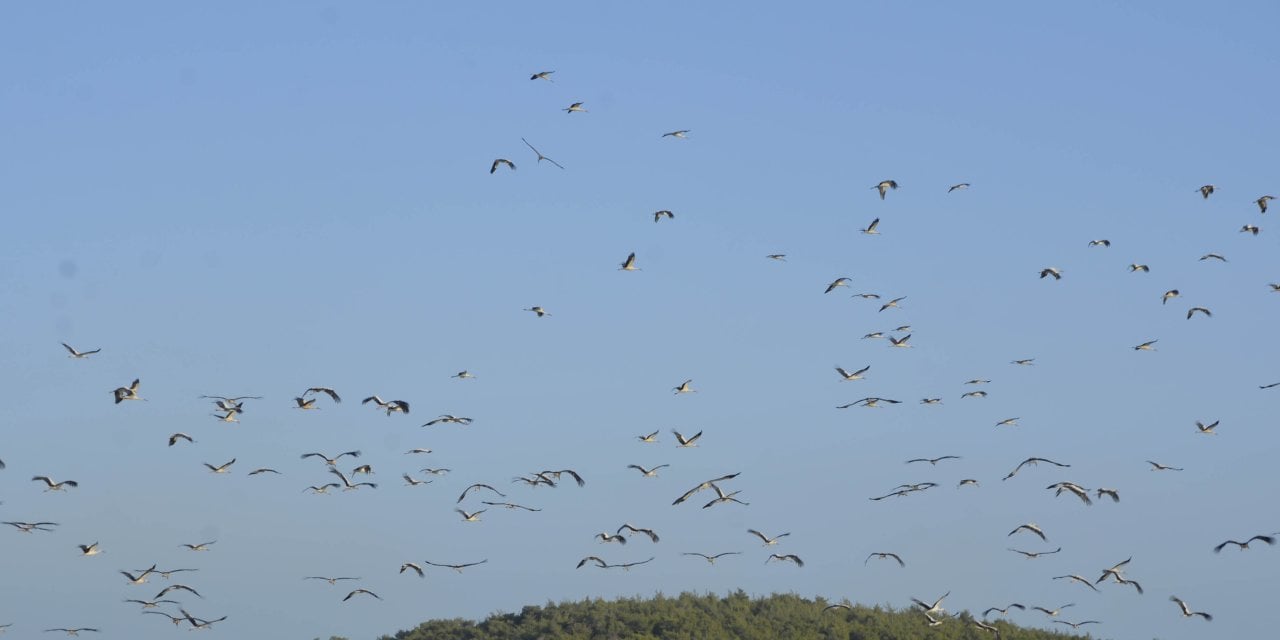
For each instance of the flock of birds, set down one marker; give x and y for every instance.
(172, 600)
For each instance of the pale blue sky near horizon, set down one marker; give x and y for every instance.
(253, 200)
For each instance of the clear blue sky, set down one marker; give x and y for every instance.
(254, 200)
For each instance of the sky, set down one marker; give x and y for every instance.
(254, 200)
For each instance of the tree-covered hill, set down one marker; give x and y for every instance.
(711, 617)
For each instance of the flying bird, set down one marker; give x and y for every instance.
(540, 156)
(936, 607)
(1033, 462)
(1172, 293)
(409, 565)
(1099, 243)
(1111, 493)
(499, 162)
(542, 75)
(1146, 346)
(1051, 271)
(684, 442)
(202, 546)
(358, 591)
(1207, 429)
(55, 486)
(577, 106)
(1075, 578)
(664, 213)
(856, 375)
(653, 536)
(780, 257)
(1139, 267)
(885, 185)
(629, 264)
(933, 461)
(1156, 466)
(712, 559)
(331, 461)
(456, 567)
(606, 537)
(871, 228)
(648, 439)
(478, 486)
(173, 439)
(1262, 203)
(1053, 613)
(448, 419)
(332, 581)
(1012, 605)
(958, 187)
(1076, 625)
(1249, 228)
(766, 539)
(127, 393)
(1270, 540)
(1033, 528)
(838, 282)
(1032, 555)
(790, 557)
(1207, 190)
(1192, 311)
(883, 555)
(85, 354)
(1187, 612)
(677, 134)
(1212, 256)
(347, 485)
(704, 485)
(391, 406)
(892, 304)
(89, 549)
(538, 311)
(222, 468)
(325, 390)
(647, 473)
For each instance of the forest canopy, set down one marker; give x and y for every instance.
(709, 617)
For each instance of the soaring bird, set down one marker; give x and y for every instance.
(325, 390)
(711, 559)
(331, 461)
(704, 485)
(1207, 190)
(648, 473)
(151, 604)
(1192, 311)
(629, 264)
(127, 393)
(958, 187)
(936, 607)
(1262, 202)
(1026, 362)
(222, 468)
(1146, 346)
(73, 631)
(412, 481)
(722, 497)
(933, 461)
(577, 106)
(871, 228)
(508, 505)
(1245, 545)
(790, 557)
(883, 555)
(683, 442)
(28, 527)
(766, 539)
(1053, 613)
(856, 375)
(838, 282)
(599, 562)
(1033, 462)
(677, 134)
(409, 565)
(448, 419)
(973, 394)
(364, 591)
(892, 304)
(1076, 625)
(1156, 466)
(1032, 555)
(1032, 527)
(478, 486)
(85, 354)
(1051, 271)
(499, 162)
(1012, 605)
(539, 153)
(1008, 422)
(1075, 578)
(900, 343)
(332, 581)
(663, 213)
(653, 536)
(1187, 612)
(606, 537)
(1212, 256)
(885, 185)
(870, 403)
(55, 486)
(1071, 487)
(538, 311)
(456, 567)
(347, 485)
(202, 546)
(542, 75)
(390, 406)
